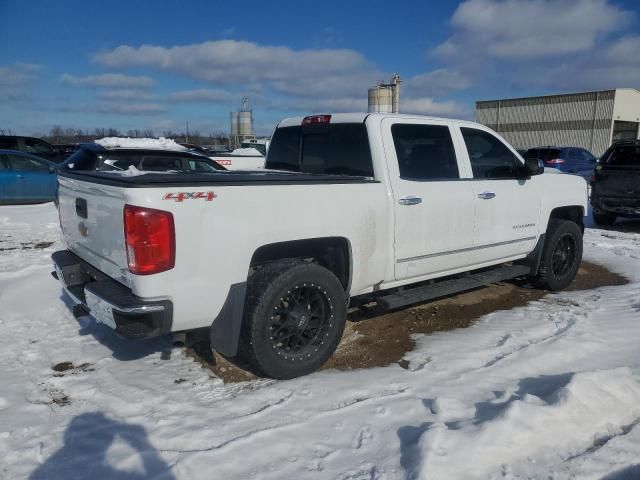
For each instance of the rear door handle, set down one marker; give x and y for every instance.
(410, 200)
(486, 195)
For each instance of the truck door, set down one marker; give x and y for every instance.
(7, 182)
(32, 179)
(433, 201)
(507, 207)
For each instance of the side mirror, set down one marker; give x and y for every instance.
(533, 166)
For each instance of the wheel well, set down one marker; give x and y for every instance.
(332, 253)
(575, 213)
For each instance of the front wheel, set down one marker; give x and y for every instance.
(294, 318)
(561, 255)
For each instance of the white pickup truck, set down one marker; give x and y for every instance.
(352, 209)
(250, 156)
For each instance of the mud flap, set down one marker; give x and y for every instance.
(225, 330)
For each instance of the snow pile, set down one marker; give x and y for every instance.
(148, 143)
(132, 171)
(246, 151)
(574, 411)
(546, 391)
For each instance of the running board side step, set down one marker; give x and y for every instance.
(445, 288)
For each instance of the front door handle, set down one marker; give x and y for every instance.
(410, 200)
(19, 175)
(486, 195)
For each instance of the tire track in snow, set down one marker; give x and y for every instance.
(301, 419)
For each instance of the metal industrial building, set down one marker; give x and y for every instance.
(591, 120)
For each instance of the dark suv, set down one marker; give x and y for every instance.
(31, 145)
(566, 159)
(615, 186)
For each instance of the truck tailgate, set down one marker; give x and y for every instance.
(91, 216)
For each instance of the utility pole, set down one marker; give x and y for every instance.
(187, 141)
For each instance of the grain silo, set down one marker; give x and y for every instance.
(385, 97)
(241, 125)
(245, 123)
(380, 99)
(233, 130)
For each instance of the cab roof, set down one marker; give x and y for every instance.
(362, 117)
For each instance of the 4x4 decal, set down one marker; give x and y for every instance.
(182, 196)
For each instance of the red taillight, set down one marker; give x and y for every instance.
(313, 119)
(554, 161)
(150, 239)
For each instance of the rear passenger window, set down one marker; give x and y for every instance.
(490, 158)
(26, 164)
(37, 147)
(425, 152)
(8, 143)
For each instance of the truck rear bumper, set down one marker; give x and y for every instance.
(110, 302)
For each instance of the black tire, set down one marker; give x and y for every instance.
(604, 219)
(294, 317)
(561, 255)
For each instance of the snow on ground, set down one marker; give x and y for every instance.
(153, 143)
(549, 391)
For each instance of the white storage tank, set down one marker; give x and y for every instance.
(245, 123)
(234, 123)
(380, 99)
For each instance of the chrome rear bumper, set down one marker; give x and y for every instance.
(109, 302)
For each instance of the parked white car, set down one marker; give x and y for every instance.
(364, 207)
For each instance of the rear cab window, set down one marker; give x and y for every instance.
(330, 149)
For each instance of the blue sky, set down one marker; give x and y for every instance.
(155, 65)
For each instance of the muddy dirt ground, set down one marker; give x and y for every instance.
(372, 339)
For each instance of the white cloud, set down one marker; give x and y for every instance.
(126, 94)
(201, 95)
(130, 108)
(17, 74)
(524, 29)
(430, 106)
(108, 80)
(624, 51)
(437, 82)
(311, 72)
(15, 80)
(551, 45)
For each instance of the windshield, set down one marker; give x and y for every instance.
(623, 156)
(258, 146)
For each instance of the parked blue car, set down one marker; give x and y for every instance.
(25, 178)
(566, 159)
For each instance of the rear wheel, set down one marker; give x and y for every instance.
(294, 318)
(604, 219)
(561, 255)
